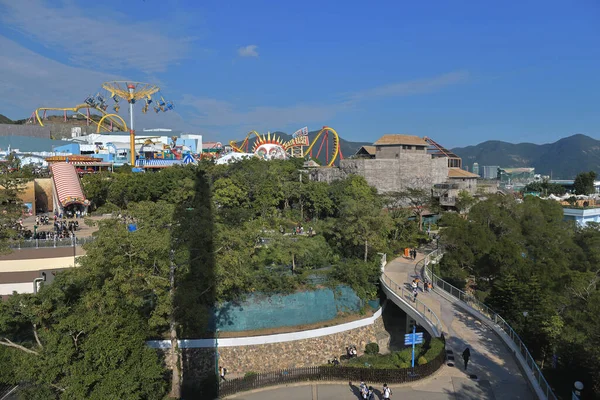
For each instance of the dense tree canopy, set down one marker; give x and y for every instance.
(546, 188)
(584, 183)
(539, 272)
(202, 235)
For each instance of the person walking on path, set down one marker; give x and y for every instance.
(364, 390)
(387, 392)
(222, 373)
(466, 355)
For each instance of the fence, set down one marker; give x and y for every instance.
(431, 259)
(44, 243)
(418, 305)
(331, 373)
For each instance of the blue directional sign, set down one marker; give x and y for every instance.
(413, 338)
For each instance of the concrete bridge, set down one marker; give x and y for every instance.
(500, 366)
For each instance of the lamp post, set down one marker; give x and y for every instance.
(131, 89)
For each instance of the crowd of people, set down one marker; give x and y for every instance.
(63, 229)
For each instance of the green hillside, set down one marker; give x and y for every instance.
(5, 120)
(562, 159)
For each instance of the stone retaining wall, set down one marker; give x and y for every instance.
(299, 353)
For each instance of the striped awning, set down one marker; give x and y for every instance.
(67, 185)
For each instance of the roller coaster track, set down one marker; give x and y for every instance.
(335, 152)
(243, 148)
(121, 125)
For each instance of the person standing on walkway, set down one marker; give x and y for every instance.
(387, 392)
(363, 389)
(466, 355)
(222, 373)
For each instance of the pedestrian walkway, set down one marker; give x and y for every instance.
(492, 373)
(491, 361)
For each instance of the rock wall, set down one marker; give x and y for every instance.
(414, 170)
(299, 353)
(25, 130)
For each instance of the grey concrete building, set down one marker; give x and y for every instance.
(398, 162)
(458, 180)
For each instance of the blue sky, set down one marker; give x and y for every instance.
(461, 72)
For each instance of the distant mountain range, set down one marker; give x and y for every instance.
(347, 148)
(5, 120)
(563, 159)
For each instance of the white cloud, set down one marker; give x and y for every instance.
(30, 80)
(413, 87)
(248, 51)
(219, 113)
(112, 42)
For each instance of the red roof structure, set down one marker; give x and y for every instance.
(66, 184)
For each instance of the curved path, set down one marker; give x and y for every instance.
(492, 373)
(497, 373)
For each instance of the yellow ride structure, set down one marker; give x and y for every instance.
(322, 137)
(131, 92)
(243, 148)
(119, 124)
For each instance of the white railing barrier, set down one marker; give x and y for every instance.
(438, 283)
(426, 312)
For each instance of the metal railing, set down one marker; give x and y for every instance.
(417, 304)
(327, 373)
(438, 283)
(50, 243)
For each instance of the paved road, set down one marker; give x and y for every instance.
(437, 388)
(493, 373)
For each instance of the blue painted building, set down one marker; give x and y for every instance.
(582, 215)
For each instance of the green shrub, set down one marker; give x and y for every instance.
(107, 208)
(422, 360)
(403, 356)
(250, 375)
(404, 365)
(435, 347)
(372, 348)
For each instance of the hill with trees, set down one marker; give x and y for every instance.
(563, 159)
(540, 273)
(5, 120)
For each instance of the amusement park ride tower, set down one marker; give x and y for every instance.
(133, 92)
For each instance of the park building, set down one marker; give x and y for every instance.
(396, 162)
